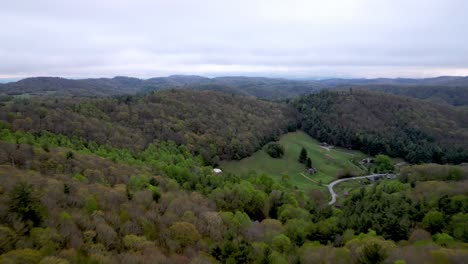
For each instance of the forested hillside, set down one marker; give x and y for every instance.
(215, 125)
(451, 90)
(66, 200)
(381, 123)
(452, 95)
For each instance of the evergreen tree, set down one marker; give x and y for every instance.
(25, 205)
(309, 163)
(303, 155)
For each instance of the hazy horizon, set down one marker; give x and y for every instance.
(293, 40)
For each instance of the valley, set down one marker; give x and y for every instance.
(329, 163)
(130, 178)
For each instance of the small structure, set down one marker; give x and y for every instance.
(311, 171)
(367, 160)
(217, 171)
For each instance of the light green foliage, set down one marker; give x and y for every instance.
(277, 258)
(21, 256)
(241, 196)
(236, 221)
(433, 221)
(281, 243)
(185, 233)
(7, 239)
(64, 216)
(46, 239)
(393, 187)
(442, 239)
(459, 225)
(297, 230)
(134, 242)
(328, 163)
(138, 182)
(80, 177)
(53, 260)
(91, 204)
(384, 163)
(288, 211)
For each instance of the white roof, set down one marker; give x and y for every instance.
(216, 170)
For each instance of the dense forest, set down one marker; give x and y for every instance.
(129, 178)
(451, 90)
(66, 200)
(376, 122)
(215, 125)
(452, 95)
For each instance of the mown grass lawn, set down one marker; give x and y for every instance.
(329, 163)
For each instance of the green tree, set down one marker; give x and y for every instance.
(25, 204)
(91, 204)
(303, 155)
(309, 163)
(185, 233)
(433, 221)
(372, 254)
(383, 163)
(281, 243)
(275, 150)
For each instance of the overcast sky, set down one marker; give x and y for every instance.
(307, 39)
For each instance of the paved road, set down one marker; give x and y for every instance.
(332, 184)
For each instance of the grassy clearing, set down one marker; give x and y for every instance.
(329, 163)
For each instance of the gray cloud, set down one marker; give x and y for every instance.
(344, 38)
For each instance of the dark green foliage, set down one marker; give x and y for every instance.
(372, 254)
(66, 189)
(24, 204)
(303, 156)
(275, 150)
(116, 190)
(70, 155)
(214, 125)
(381, 123)
(379, 209)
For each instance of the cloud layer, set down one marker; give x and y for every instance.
(342, 38)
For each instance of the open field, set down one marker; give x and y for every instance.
(329, 163)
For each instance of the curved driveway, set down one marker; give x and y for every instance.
(333, 183)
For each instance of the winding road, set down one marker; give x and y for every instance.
(333, 183)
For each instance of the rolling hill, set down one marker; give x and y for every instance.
(213, 124)
(376, 122)
(451, 90)
(330, 164)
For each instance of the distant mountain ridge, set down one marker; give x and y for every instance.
(444, 89)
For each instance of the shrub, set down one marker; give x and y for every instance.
(134, 242)
(372, 254)
(91, 204)
(21, 256)
(433, 221)
(443, 239)
(275, 150)
(7, 239)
